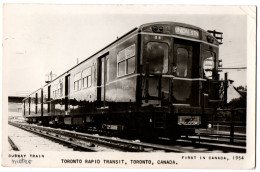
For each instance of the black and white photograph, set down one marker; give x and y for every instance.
(129, 86)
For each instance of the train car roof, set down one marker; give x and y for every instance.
(171, 23)
(31, 94)
(120, 38)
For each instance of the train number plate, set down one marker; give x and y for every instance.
(189, 120)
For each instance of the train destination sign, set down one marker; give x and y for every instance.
(186, 32)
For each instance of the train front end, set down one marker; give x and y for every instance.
(179, 86)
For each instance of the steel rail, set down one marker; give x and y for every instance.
(90, 142)
(14, 147)
(214, 144)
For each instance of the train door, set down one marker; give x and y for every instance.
(29, 106)
(24, 111)
(49, 99)
(36, 103)
(182, 70)
(156, 54)
(41, 102)
(102, 80)
(67, 92)
(186, 71)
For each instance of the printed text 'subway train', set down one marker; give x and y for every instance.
(157, 80)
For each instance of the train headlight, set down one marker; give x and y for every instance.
(160, 28)
(210, 39)
(209, 125)
(157, 29)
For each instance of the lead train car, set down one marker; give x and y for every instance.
(158, 80)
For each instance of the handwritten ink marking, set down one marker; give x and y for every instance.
(21, 161)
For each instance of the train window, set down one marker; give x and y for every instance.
(157, 57)
(121, 68)
(89, 81)
(40, 98)
(75, 85)
(131, 65)
(61, 88)
(86, 75)
(208, 59)
(130, 51)
(77, 82)
(121, 55)
(182, 62)
(84, 82)
(45, 93)
(126, 61)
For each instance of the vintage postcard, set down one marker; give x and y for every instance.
(129, 86)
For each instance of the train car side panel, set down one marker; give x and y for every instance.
(82, 89)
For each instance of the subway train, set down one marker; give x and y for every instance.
(158, 80)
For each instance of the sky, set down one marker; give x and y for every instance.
(38, 39)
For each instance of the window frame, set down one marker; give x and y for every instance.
(187, 63)
(87, 78)
(78, 82)
(60, 89)
(167, 57)
(125, 60)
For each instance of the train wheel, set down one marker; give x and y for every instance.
(174, 138)
(148, 135)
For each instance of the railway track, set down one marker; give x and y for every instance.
(92, 142)
(14, 147)
(216, 142)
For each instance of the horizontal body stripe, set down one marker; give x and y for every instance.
(180, 78)
(122, 78)
(94, 87)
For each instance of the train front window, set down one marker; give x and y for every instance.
(157, 57)
(182, 62)
(208, 59)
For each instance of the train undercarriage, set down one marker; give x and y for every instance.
(135, 125)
